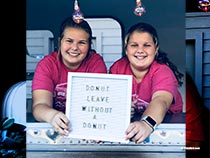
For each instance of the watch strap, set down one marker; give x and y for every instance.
(150, 121)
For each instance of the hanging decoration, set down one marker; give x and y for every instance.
(204, 5)
(139, 9)
(77, 14)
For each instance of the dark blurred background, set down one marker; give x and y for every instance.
(12, 58)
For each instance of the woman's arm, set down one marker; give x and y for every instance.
(160, 103)
(138, 131)
(43, 111)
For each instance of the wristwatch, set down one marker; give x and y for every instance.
(150, 121)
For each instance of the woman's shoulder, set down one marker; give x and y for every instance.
(158, 66)
(50, 62)
(160, 71)
(120, 66)
(93, 57)
(93, 54)
(50, 58)
(122, 61)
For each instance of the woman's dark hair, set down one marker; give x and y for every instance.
(68, 22)
(161, 56)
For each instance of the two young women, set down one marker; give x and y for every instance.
(155, 78)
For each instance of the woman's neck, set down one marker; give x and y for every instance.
(139, 74)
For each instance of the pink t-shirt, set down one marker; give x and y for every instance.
(51, 74)
(159, 77)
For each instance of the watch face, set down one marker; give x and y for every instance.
(151, 121)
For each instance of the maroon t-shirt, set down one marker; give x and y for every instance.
(159, 77)
(51, 74)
